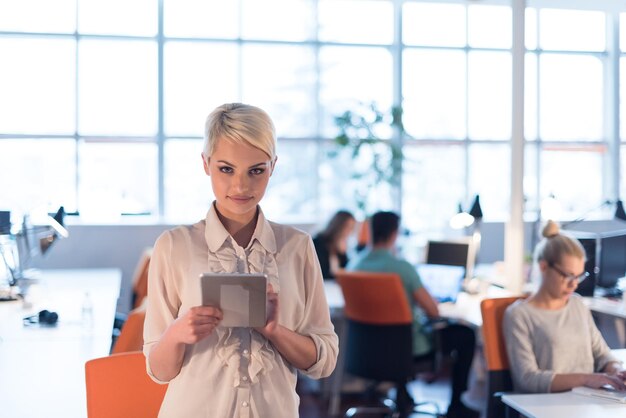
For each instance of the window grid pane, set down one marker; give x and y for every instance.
(194, 85)
(18, 16)
(217, 19)
(117, 87)
(434, 102)
(37, 89)
(116, 179)
(118, 17)
(37, 173)
(571, 97)
(374, 24)
(450, 93)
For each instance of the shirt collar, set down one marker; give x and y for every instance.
(215, 234)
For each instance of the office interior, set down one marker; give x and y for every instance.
(102, 107)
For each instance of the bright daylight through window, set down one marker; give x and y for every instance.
(102, 107)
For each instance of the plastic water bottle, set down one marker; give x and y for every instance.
(87, 311)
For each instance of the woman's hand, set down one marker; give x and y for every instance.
(597, 380)
(271, 324)
(615, 368)
(197, 324)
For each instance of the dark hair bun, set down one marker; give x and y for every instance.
(551, 229)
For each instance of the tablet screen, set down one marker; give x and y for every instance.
(242, 297)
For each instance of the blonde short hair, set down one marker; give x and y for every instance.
(555, 244)
(241, 124)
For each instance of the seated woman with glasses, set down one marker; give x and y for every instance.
(551, 340)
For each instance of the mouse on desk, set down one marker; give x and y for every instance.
(43, 318)
(613, 293)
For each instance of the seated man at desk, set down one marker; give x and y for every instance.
(455, 338)
(551, 335)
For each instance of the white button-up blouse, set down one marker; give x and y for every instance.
(236, 372)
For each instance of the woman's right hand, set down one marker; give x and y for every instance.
(197, 324)
(597, 380)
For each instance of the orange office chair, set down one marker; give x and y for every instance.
(131, 334)
(119, 387)
(140, 291)
(499, 375)
(379, 342)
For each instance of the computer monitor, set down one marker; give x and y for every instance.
(460, 252)
(5, 222)
(590, 244)
(612, 261)
(606, 259)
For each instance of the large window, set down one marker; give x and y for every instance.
(102, 103)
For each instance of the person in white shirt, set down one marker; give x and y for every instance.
(551, 339)
(217, 371)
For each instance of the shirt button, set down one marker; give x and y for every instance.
(246, 351)
(244, 404)
(245, 378)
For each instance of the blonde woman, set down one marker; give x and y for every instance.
(217, 371)
(551, 339)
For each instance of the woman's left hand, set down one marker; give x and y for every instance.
(271, 323)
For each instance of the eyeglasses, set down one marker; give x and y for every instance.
(569, 277)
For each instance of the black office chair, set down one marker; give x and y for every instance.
(379, 340)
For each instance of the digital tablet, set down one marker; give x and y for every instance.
(241, 297)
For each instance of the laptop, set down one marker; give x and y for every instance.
(605, 392)
(443, 282)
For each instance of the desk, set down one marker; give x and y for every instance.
(615, 308)
(42, 369)
(566, 404)
(465, 309)
(610, 319)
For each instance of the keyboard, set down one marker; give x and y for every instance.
(605, 393)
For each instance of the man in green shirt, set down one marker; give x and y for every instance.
(456, 339)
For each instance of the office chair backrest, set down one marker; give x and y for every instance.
(379, 340)
(374, 298)
(140, 278)
(118, 386)
(499, 379)
(131, 334)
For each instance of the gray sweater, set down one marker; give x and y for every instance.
(541, 343)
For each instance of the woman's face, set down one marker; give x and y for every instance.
(239, 176)
(561, 279)
(348, 228)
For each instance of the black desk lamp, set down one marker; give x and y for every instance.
(619, 210)
(476, 211)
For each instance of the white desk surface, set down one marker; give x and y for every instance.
(566, 404)
(606, 306)
(42, 369)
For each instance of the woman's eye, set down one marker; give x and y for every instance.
(226, 169)
(257, 171)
